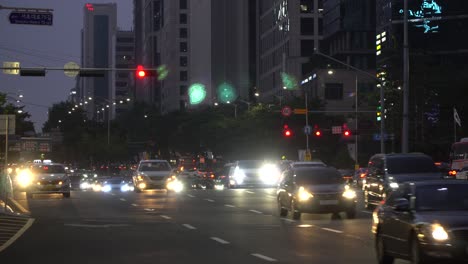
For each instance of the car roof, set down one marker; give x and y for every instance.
(153, 160)
(308, 162)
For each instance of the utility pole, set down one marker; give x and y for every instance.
(405, 126)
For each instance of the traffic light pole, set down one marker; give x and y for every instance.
(382, 96)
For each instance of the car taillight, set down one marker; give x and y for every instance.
(363, 175)
(452, 173)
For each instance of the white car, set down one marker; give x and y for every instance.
(152, 175)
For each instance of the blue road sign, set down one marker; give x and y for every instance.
(307, 130)
(31, 18)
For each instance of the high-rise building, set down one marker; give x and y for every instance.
(201, 42)
(124, 79)
(98, 51)
(288, 31)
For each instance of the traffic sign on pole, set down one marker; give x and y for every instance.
(31, 18)
(286, 111)
(307, 130)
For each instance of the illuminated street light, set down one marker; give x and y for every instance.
(257, 94)
(330, 72)
(216, 104)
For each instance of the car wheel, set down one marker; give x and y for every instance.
(282, 211)
(382, 256)
(66, 195)
(351, 213)
(296, 214)
(417, 257)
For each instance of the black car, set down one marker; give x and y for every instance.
(315, 190)
(423, 222)
(387, 171)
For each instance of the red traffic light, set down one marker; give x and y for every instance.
(318, 133)
(346, 133)
(141, 71)
(287, 133)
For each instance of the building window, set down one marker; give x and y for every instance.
(183, 76)
(307, 26)
(333, 91)
(183, 47)
(307, 48)
(183, 19)
(183, 61)
(307, 6)
(124, 40)
(183, 33)
(183, 4)
(183, 90)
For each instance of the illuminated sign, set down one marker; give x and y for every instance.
(424, 16)
(282, 16)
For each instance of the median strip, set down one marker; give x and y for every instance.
(260, 256)
(219, 240)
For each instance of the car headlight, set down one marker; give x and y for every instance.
(394, 185)
(24, 178)
(269, 174)
(239, 175)
(177, 186)
(349, 194)
(303, 194)
(142, 185)
(84, 185)
(125, 188)
(106, 188)
(438, 232)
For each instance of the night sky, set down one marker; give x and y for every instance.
(50, 46)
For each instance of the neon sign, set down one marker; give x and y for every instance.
(424, 16)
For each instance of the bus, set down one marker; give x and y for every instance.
(458, 157)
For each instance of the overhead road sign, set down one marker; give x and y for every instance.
(300, 111)
(12, 67)
(31, 18)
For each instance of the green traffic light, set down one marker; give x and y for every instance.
(163, 72)
(197, 93)
(289, 82)
(226, 93)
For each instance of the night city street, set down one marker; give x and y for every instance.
(231, 226)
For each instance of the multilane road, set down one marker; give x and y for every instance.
(196, 226)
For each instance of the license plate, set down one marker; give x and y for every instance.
(329, 202)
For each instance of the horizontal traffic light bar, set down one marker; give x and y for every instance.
(82, 72)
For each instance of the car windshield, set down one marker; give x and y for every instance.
(402, 165)
(250, 164)
(49, 169)
(318, 176)
(154, 166)
(443, 197)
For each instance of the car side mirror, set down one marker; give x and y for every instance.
(401, 205)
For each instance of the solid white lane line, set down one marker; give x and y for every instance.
(135, 205)
(229, 205)
(191, 196)
(249, 192)
(17, 235)
(367, 212)
(209, 200)
(166, 217)
(122, 199)
(255, 211)
(260, 256)
(189, 226)
(219, 240)
(332, 230)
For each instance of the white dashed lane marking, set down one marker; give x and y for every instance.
(209, 200)
(260, 256)
(135, 205)
(166, 217)
(332, 230)
(191, 196)
(229, 205)
(189, 226)
(249, 192)
(255, 211)
(219, 240)
(122, 199)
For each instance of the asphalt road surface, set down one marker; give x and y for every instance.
(196, 226)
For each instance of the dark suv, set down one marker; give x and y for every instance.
(387, 171)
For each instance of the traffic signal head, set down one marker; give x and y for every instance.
(346, 133)
(379, 114)
(287, 132)
(141, 72)
(318, 133)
